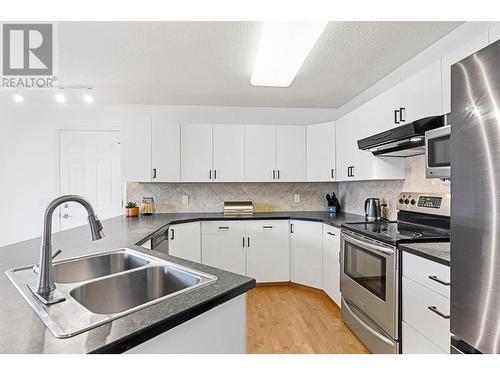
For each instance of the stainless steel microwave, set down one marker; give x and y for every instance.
(438, 153)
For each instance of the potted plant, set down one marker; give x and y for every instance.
(131, 209)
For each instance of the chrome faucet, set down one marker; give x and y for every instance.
(45, 289)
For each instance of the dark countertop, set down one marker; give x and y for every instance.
(436, 251)
(21, 331)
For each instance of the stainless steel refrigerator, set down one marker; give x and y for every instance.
(475, 209)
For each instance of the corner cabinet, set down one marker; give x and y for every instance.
(306, 241)
(321, 152)
(150, 150)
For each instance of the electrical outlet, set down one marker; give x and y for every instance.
(185, 199)
(297, 198)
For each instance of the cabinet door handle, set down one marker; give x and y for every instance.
(154, 173)
(436, 311)
(332, 173)
(352, 171)
(248, 241)
(278, 174)
(291, 228)
(330, 233)
(210, 174)
(436, 279)
(396, 115)
(172, 234)
(215, 174)
(243, 241)
(274, 174)
(401, 113)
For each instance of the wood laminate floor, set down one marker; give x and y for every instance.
(289, 319)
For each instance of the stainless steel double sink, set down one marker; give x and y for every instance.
(105, 286)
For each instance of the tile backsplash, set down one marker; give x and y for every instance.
(209, 197)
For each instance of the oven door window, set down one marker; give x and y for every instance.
(366, 268)
(438, 151)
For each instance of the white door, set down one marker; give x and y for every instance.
(90, 167)
(455, 56)
(268, 251)
(331, 262)
(136, 149)
(307, 253)
(229, 153)
(184, 241)
(196, 153)
(260, 155)
(165, 152)
(291, 153)
(321, 152)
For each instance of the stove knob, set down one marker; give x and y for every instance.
(413, 201)
(401, 200)
(407, 201)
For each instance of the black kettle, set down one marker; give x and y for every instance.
(372, 209)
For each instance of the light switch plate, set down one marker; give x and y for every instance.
(185, 199)
(297, 198)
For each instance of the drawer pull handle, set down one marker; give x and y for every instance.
(436, 279)
(267, 226)
(330, 233)
(436, 311)
(223, 228)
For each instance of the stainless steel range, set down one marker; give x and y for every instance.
(369, 279)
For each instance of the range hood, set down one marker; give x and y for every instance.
(404, 141)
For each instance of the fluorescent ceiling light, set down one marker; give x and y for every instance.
(283, 48)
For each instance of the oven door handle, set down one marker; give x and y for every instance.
(366, 326)
(368, 245)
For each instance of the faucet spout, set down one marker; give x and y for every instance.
(45, 283)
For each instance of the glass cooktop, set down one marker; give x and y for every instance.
(397, 231)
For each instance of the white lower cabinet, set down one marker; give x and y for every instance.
(331, 262)
(258, 249)
(306, 241)
(268, 251)
(184, 241)
(223, 245)
(426, 306)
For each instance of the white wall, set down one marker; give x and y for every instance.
(29, 147)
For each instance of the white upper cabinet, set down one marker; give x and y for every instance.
(136, 149)
(419, 96)
(165, 153)
(494, 34)
(458, 54)
(229, 153)
(290, 153)
(196, 153)
(260, 153)
(321, 152)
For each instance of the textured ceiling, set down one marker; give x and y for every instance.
(210, 63)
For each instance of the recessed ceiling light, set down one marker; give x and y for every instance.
(60, 98)
(18, 98)
(283, 48)
(87, 98)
